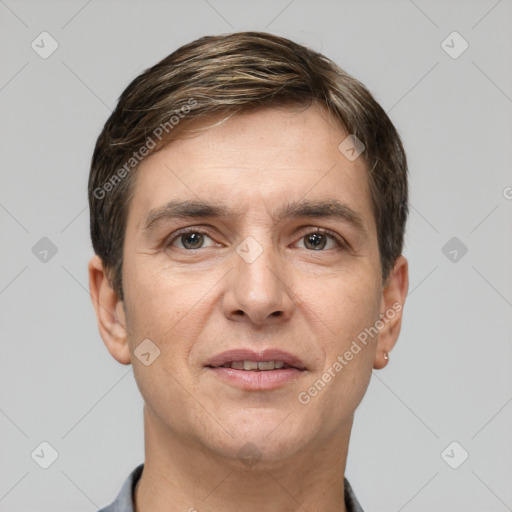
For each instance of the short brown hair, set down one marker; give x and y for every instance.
(230, 74)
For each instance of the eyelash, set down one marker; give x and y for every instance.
(338, 239)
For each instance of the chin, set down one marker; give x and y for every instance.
(261, 439)
(258, 452)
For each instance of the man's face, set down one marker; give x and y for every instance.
(254, 285)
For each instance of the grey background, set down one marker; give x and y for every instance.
(449, 377)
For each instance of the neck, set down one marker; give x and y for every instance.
(180, 475)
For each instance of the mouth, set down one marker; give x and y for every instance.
(258, 366)
(254, 371)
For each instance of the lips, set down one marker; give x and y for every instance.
(249, 360)
(253, 371)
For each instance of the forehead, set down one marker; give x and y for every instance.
(270, 156)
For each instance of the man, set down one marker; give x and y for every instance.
(248, 203)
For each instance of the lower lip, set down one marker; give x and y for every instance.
(257, 380)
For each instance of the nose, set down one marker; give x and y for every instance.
(257, 290)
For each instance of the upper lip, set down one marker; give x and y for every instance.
(250, 355)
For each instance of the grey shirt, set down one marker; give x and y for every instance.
(124, 500)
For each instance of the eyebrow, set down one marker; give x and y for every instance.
(196, 209)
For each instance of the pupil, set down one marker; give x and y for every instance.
(193, 239)
(316, 240)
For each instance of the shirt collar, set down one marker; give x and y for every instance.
(124, 500)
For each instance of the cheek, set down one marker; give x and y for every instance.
(161, 299)
(345, 307)
(349, 353)
(336, 389)
(171, 315)
(171, 309)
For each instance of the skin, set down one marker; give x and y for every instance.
(196, 303)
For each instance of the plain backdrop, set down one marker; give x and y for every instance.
(449, 376)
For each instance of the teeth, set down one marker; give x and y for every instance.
(255, 365)
(250, 365)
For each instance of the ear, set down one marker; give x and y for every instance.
(109, 312)
(393, 299)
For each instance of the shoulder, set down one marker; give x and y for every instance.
(124, 500)
(351, 502)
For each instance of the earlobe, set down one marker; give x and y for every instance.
(109, 312)
(393, 299)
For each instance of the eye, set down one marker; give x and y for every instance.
(190, 239)
(319, 239)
